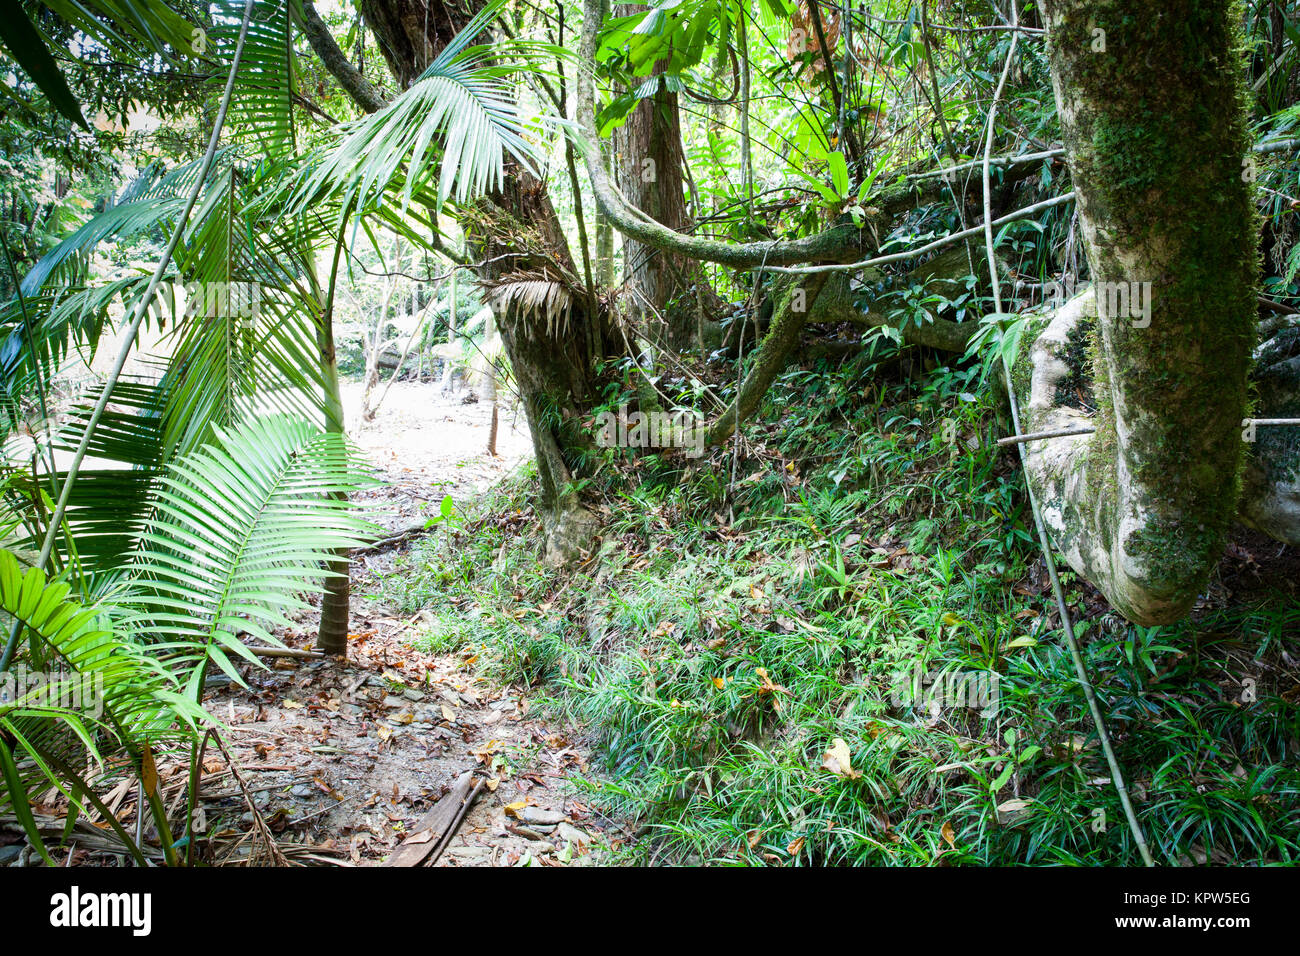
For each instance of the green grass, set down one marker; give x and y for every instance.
(714, 666)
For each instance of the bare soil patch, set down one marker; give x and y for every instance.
(346, 756)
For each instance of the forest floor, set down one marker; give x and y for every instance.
(768, 689)
(345, 756)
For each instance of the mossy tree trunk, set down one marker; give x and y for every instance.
(1152, 104)
(517, 235)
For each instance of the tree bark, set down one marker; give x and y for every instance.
(348, 76)
(649, 146)
(1151, 99)
(517, 236)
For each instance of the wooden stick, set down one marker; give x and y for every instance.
(436, 825)
(395, 538)
(286, 652)
(1039, 436)
(455, 824)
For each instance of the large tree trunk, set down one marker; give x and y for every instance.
(650, 166)
(518, 237)
(1151, 98)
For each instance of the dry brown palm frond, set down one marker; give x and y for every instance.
(532, 297)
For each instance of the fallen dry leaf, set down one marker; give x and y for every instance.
(836, 760)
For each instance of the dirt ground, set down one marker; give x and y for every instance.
(343, 757)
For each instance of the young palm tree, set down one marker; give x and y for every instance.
(231, 498)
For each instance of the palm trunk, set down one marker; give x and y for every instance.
(332, 638)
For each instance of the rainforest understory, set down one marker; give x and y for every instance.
(693, 432)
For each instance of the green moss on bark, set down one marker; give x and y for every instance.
(1156, 129)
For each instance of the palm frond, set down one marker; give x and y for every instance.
(107, 503)
(69, 257)
(527, 297)
(128, 26)
(462, 103)
(261, 111)
(238, 529)
(231, 360)
(96, 688)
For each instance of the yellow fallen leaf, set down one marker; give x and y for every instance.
(946, 832)
(836, 760)
(719, 682)
(448, 714)
(795, 846)
(512, 809)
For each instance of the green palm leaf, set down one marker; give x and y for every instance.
(239, 529)
(105, 690)
(261, 111)
(448, 135)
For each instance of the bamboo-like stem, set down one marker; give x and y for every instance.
(1040, 436)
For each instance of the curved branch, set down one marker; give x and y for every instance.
(735, 86)
(837, 244)
(796, 305)
(355, 84)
